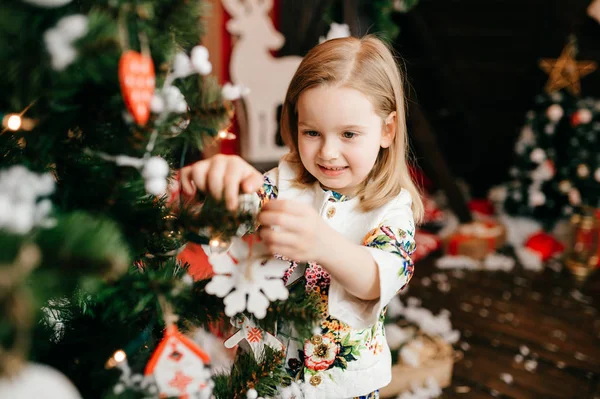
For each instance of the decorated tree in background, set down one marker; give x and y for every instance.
(557, 161)
(102, 102)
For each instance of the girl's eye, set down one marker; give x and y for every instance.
(311, 133)
(349, 135)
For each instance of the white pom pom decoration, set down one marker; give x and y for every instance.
(156, 186)
(252, 394)
(200, 62)
(59, 40)
(155, 167)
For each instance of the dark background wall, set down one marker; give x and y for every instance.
(472, 65)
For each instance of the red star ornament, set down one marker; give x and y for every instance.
(137, 79)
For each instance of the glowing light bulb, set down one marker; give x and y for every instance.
(214, 243)
(13, 122)
(119, 356)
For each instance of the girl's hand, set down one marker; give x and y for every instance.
(294, 230)
(221, 176)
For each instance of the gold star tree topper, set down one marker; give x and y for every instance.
(565, 71)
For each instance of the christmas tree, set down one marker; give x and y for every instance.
(103, 101)
(557, 166)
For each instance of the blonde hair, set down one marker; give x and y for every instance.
(366, 65)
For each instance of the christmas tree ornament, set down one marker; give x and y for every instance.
(583, 171)
(232, 92)
(252, 338)
(155, 172)
(247, 277)
(581, 116)
(59, 40)
(565, 72)
(582, 254)
(48, 3)
(137, 79)
(184, 66)
(38, 381)
(555, 112)
(23, 205)
(179, 367)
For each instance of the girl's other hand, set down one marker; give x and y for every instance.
(223, 177)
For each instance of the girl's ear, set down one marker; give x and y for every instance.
(389, 130)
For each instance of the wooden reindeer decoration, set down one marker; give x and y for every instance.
(267, 77)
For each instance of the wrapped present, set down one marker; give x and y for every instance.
(428, 358)
(476, 239)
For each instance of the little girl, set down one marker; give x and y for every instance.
(341, 204)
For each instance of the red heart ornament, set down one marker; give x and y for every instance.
(137, 78)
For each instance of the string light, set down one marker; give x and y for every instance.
(215, 243)
(13, 122)
(117, 360)
(226, 135)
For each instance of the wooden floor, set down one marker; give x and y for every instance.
(524, 334)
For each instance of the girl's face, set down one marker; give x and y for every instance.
(340, 135)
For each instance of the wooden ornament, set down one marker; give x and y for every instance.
(565, 72)
(137, 78)
(179, 366)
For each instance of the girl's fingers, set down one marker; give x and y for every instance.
(232, 180)
(198, 174)
(252, 180)
(215, 178)
(283, 220)
(185, 179)
(277, 238)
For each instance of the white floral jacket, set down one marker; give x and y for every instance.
(350, 356)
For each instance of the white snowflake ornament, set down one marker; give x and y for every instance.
(248, 277)
(252, 338)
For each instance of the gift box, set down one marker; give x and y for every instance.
(476, 239)
(436, 360)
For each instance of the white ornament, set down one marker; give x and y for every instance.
(59, 40)
(155, 167)
(233, 92)
(574, 197)
(38, 381)
(20, 206)
(585, 116)
(252, 394)
(336, 31)
(156, 186)
(48, 3)
(200, 62)
(536, 198)
(252, 338)
(182, 65)
(537, 155)
(267, 77)
(250, 281)
(555, 112)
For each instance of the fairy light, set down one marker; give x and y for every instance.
(226, 135)
(214, 243)
(13, 122)
(119, 356)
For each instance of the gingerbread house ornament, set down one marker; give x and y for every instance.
(179, 367)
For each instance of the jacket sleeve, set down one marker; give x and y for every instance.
(390, 243)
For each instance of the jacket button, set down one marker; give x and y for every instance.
(316, 340)
(330, 212)
(315, 380)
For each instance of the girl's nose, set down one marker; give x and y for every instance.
(329, 150)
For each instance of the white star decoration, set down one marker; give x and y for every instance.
(248, 277)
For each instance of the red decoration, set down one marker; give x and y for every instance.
(482, 207)
(432, 212)
(544, 244)
(137, 78)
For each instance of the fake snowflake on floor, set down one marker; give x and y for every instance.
(247, 277)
